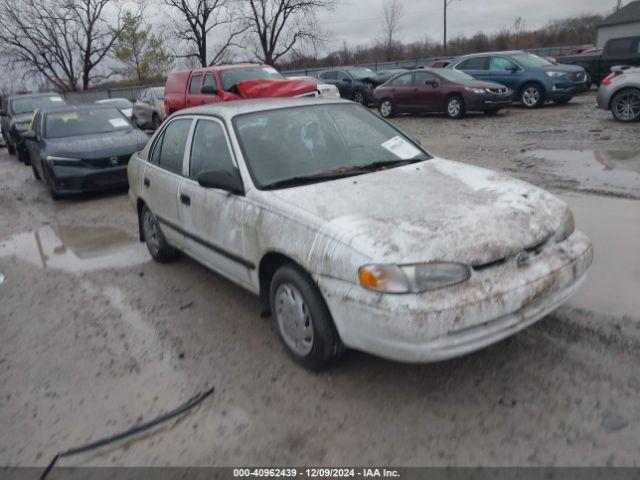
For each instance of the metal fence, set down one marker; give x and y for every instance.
(133, 92)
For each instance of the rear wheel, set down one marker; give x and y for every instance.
(358, 97)
(302, 318)
(532, 96)
(158, 247)
(625, 105)
(387, 109)
(455, 107)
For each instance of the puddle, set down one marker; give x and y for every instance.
(614, 228)
(1, 278)
(76, 248)
(600, 169)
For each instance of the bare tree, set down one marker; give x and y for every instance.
(62, 42)
(618, 5)
(391, 18)
(278, 27)
(198, 20)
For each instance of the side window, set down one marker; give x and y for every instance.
(343, 76)
(420, 78)
(475, 63)
(169, 150)
(194, 86)
(620, 46)
(209, 149)
(330, 75)
(402, 80)
(501, 63)
(209, 81)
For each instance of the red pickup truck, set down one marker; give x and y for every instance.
(230, 82)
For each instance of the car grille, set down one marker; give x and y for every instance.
(108, 161)
(533, 250)
(578, 77)
(499, 91)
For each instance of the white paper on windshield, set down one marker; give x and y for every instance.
(269, 70)
(56, 99)
(400, 148)
(118, 122)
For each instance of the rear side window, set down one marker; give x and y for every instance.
(420, 78)
(331, 75)
(476, 63)
(501, 63)
(209, 149)
(621, 46)
(194, 86)
(402, 80)
(209, 80)
(168, 151)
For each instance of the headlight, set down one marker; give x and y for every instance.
(475, 90)
(21, 127)
(567, 226)
(553, 73)
(62, 160)
(416, 278)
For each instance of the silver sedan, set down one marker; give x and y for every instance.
(620, 93)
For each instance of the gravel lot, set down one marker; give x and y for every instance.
(95, 337)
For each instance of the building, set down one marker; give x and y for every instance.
(623, 23)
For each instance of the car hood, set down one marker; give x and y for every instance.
(265, 88)
(91, 147)
(436, 210)
(563, 68)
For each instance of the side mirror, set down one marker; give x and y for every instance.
(222, 180)
(209, 90)
(29, 135)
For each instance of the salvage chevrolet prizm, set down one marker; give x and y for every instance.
(350, 233)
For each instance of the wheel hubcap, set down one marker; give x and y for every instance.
(385, 108)
(627, 106)
(151, 233)
(294, 320)
(454, 107)
(530, 96)
(358, 97)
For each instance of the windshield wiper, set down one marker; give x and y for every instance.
(386, 163)
(307, 179)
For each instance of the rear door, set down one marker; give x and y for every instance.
(427, 96)
(477, 67)
(194, 96)
(213, 220)
(402, 89)
(162, 176)
(505, 71)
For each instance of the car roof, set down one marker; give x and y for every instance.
(228, 110)
(76, 108)
(34, 95)
(482, 54)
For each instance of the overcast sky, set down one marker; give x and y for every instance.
(359, 21)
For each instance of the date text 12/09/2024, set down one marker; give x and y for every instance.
(316, 472)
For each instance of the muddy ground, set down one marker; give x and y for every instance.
(95, 337)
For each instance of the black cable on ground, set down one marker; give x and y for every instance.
(189, 404)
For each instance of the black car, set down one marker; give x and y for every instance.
(354, 83)
(16, 117)
(82, 148)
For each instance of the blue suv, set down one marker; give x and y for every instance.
(533, 79)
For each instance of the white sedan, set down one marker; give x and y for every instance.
(351, 234)
(325, 90)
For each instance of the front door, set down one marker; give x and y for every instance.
(428, 92)
(194, 92)
(212, 219)
(504, 71)
(162, 176)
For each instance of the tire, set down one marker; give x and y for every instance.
(35, 171)
(52, 190)
(455, 107)
(386, 108)
(24, 157)
(10, 146)
(625, 105)
(157, 245)
(531, 96)
(302, 319)
(562, 101)
(358, 97)
(155, 121)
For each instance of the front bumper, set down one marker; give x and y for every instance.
(603, 97)
(495, 303)
(70, 179)
(487, 101)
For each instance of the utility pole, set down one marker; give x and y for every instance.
(444, 42)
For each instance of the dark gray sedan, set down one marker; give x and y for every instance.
(80, 148)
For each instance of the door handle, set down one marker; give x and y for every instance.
(147, 183)
(185, 199)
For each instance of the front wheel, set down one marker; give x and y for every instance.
(625, 105)
(302, 318)
(532, 96)
(387, 110)
(157, 245)
(455, 107)
(358, 97)
(10, 148)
